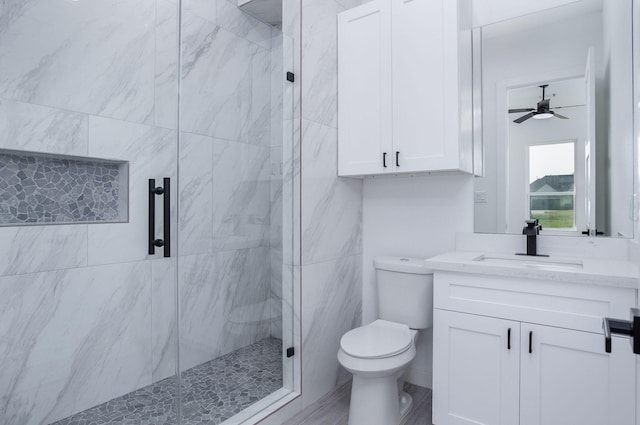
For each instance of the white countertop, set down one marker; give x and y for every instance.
(607, 272)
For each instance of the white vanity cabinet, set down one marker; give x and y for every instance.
(511, 350)
(399, 85)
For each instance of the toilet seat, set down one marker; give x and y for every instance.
(377, 340)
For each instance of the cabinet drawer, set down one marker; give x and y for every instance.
(560, 304)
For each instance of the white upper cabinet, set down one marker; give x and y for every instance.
(364, 89)
(399, 87)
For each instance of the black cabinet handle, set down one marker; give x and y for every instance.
(165, 191)
(509, 339)
(384, 159)
(530, 342)
(397, 158)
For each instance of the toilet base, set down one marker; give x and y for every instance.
(374, 401)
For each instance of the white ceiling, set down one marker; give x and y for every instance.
(541, 18)
(565, 93)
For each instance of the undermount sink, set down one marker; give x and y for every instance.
(531, 262)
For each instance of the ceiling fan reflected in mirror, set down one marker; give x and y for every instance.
(540, 112)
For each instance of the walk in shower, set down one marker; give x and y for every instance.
(147, 211)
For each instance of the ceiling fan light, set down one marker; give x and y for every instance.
(543, 116)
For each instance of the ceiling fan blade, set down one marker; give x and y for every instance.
(524, 118)
(557, 115)
(511, 111)
(566, 106)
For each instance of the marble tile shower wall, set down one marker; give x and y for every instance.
(100, 80)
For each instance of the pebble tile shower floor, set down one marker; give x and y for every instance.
(211, 392)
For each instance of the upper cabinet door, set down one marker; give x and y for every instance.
(425, 82)
(568, 378)
(364, 90)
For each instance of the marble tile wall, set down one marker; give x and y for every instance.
(66, 330)
(115, 40)
(331, 208)
(76, 296)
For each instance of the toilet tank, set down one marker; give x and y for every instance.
(405, 291)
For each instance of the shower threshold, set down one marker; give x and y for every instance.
(212, 392)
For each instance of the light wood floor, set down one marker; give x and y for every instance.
(333, 409)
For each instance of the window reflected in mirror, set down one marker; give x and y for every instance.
(551, 185)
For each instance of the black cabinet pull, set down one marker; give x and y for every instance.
(530, 342)
(165, 191)
(397, 158)
(384, 159)
(509, 339)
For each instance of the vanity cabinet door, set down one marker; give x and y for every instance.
(364, 90)
(568, 378)
(475, 369)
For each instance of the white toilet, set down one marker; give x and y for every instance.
(378, 354)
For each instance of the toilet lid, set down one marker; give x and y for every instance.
(377, 340)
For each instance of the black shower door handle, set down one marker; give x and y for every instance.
(165, 191)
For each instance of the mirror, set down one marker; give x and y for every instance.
(557, 119)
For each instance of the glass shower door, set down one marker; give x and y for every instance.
(88, 114)
(235, 213)
(96, 99)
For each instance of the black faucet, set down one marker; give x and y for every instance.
(531, 230)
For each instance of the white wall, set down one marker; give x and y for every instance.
(414, 217)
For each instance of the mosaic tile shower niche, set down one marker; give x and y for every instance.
(40, 188)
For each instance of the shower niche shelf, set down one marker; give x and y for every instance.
(40, 188)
